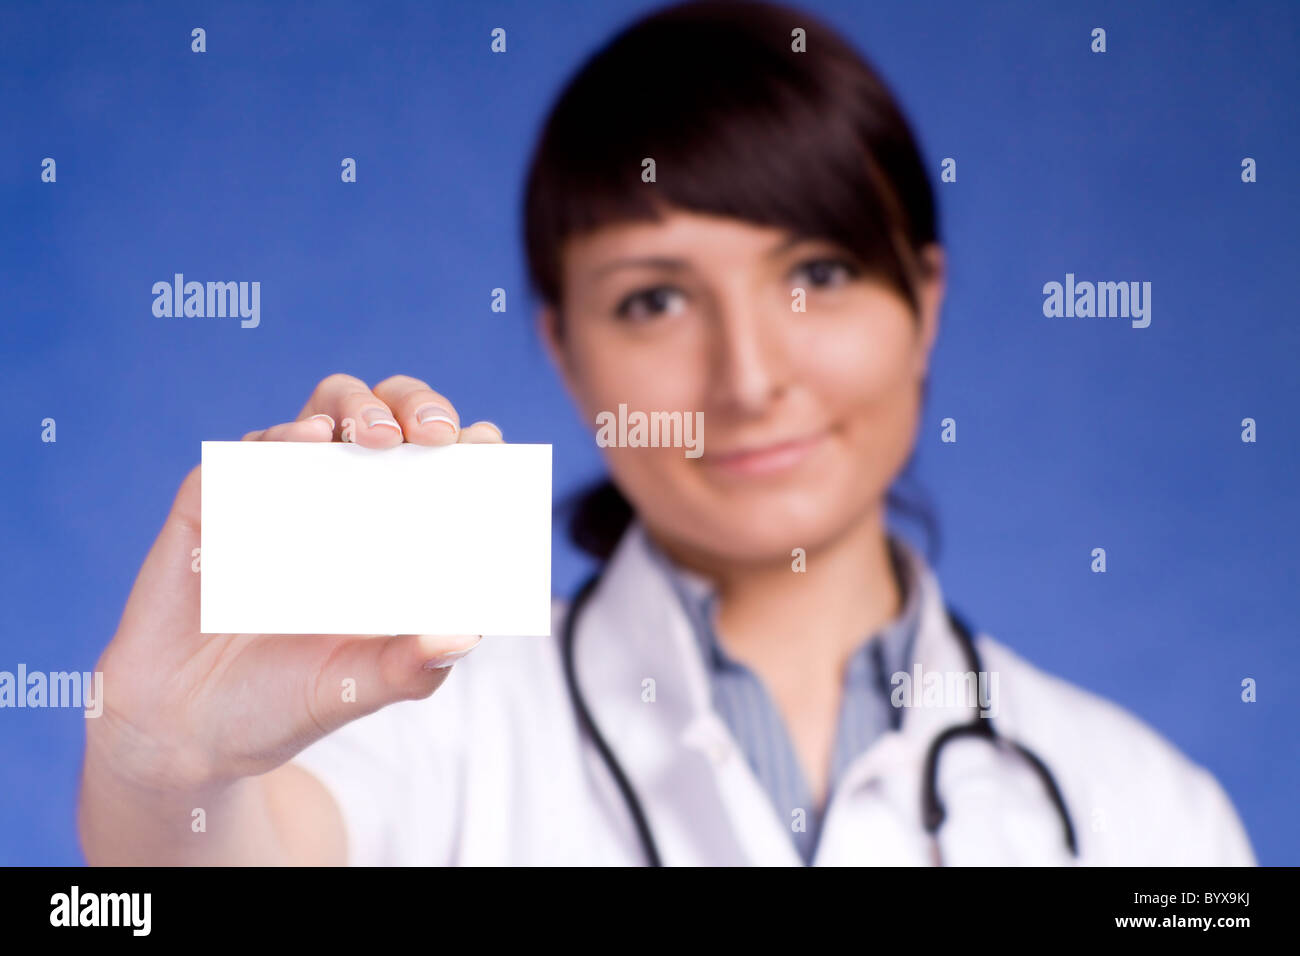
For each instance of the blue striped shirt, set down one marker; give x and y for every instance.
(746, 706)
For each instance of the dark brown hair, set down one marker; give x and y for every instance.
(739, 124)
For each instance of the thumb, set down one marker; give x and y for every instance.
(367, 673)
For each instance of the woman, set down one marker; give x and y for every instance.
(726, 216)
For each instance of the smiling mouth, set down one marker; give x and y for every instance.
(766, 459)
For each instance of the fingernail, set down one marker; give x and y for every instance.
(380, 416)
(450, 657)
(427, 414)
(325, 418)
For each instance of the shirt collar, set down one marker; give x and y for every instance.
(892, 645)
(702, 805)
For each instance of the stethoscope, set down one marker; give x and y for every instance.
(932, 809)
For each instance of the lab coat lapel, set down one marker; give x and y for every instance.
(702, 802)
(997, 812)
(875, 813)
(704, 805)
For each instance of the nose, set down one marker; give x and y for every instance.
(749, 355)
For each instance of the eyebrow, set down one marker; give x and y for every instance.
(653, 262)
(668, 262)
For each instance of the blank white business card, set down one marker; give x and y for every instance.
(333, 538)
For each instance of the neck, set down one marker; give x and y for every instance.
(784, 621)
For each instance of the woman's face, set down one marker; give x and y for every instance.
(808, 416)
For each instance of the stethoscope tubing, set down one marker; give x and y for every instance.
(932, 808)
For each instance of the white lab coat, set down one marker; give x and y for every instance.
(492, 769)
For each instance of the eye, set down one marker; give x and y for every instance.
(826, 272)
(652, 302)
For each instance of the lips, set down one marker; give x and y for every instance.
(766, 459)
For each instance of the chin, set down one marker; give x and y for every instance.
(766, 527)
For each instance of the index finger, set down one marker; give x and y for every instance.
(361, 415)
(426, 416)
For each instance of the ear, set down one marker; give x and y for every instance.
(548, 329)
(934, 281)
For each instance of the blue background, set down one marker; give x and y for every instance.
(1073, 433)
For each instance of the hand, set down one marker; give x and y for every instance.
(183, 710)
